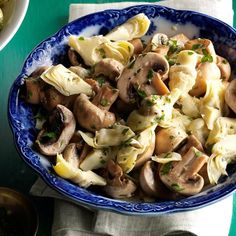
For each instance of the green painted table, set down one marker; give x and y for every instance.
(42, 20)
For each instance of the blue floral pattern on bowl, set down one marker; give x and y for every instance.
(53, 49)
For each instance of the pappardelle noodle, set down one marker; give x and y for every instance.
(151, 119)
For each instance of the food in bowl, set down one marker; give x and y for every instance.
(136, 118)
(2, 2)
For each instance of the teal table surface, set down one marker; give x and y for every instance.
(42, 20)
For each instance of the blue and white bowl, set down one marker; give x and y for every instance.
(52, 50)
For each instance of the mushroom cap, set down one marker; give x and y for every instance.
(201, 44)
(89, 116)
(169, 139)
(230, 95)
(109, 67)
(70, 154)
(147, 179)
(139, 74)
(182, 176)
(68, 123)
(224, 67)
(118, 185)
(158, 44)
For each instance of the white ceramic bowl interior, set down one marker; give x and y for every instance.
(14, 12)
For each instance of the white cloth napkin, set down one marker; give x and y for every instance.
(221, 9)
(71, 219)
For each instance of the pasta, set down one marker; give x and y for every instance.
(123, 111)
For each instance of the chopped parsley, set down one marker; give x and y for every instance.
(190, 53)
(224, 61)
(176, 187)
(166, 168)
(102, 52)
(50, 135)
(124, 131)
(104, 102)
(81, 38)
(197, 46)
(102, 161)
(29, 94)
(207, 57)
(150, 75)
(157, 119)
(100, 81)
(173, 46)
(141, 93)
(198, 154)
(171, 137)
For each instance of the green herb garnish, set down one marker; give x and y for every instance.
(177, 187)
(197, 46)
(150, 75)
(81, 38)
(124, 131)
(166, 168)
(190, 53)
(207, 57)
(50, 135)
(104, 102)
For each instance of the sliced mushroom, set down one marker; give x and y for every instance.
(159, 85)
(139, 73)
(73, 57)
(180, 38)
(202, 46)
(70, 154)
(109, 67)
(57, 136)
(89, 116)
(138, 45)
(147, 179)
(182, 176)
(224, 67)
(80, 71)
(152, 185)
(158, 44)
(33, 88)
(118, 185)
(106, 96)
(50, 98)
(169, 139)
(192, 141)
(230, 95)
(93, 83)
(205, 71)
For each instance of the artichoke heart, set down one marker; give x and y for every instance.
(222, 127)
(223, 153)
(95, 159)
(129, 152)
(211, 105)
(82, 178)
(120, 51)
(88, 48)
(135, 27)
(65, 81)
(108, 137)
(1, 19)
(163, 106)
